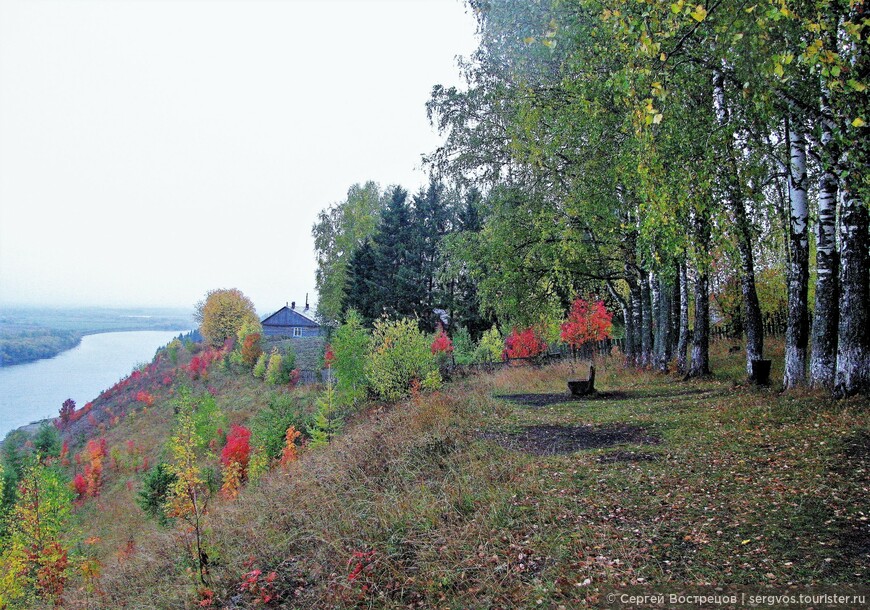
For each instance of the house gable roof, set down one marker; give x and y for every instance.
(290, 317)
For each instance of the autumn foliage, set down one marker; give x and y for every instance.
(222, 314)
(234, 458)
(251, 349)
(67, 411)
(261, 588)
(80, 486)
(523, 344)
(95, 452)
(290, 452)
(198, 366)
(586, 322)
(145, 398)
(442, 343)
(35, 563)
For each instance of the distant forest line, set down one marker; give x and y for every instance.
(30, 334)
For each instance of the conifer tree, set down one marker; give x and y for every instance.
(364, 286)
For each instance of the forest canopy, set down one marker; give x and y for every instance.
(673, 159)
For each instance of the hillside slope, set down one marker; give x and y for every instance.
(476, 497)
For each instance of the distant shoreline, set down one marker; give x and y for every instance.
(6, 362)
(31, 395)
(28, 429)
(29, 335)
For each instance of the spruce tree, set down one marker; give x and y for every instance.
(363, 289)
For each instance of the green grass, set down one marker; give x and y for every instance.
(747, 486)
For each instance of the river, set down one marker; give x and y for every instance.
(34, 391)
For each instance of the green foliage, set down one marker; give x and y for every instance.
(34, 560)
(490, 347)
(288, 363)
(400, 355)
(350, 346)
(338, 232)
(12, 464)
(274, 370)
(463, 346)
(46, 441)
(172, 350)
(204, 414)
(8, 495)
(277, 369)
(269, 425)
(156, 486)
(260, 368)
(13, 456)
(328, 421)
(772, 292)
(400, 271)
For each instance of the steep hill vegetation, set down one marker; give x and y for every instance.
(496, 491)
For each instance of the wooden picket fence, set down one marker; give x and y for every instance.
(774, 325)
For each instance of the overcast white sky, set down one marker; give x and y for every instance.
(153, 150)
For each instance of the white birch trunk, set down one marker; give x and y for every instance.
(733, 194)
(826, 318)
(683, 341)
(797, 330)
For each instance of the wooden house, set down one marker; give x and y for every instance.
(291, 322)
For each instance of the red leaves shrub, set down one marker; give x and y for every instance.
(251, 349)
(67, 412)
(145, 398)
(523, 344)
(80, 486)
(206, 597)
(442, 343)
(360, 577)
(238, 447)
(328, 357)
(198, 365)
(263, 589)
(51, 573)
(586, 322)
(234, 458)
(83, 411)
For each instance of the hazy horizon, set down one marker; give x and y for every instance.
(154, 151)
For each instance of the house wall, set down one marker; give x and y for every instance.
(287, 331)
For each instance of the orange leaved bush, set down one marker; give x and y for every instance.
(586, 322)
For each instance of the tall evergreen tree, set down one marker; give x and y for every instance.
(364, 288)
(465, 300)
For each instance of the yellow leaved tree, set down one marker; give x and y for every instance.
(223, 313)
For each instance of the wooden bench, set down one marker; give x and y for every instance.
(583, 387)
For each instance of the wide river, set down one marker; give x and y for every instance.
(33, 391)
